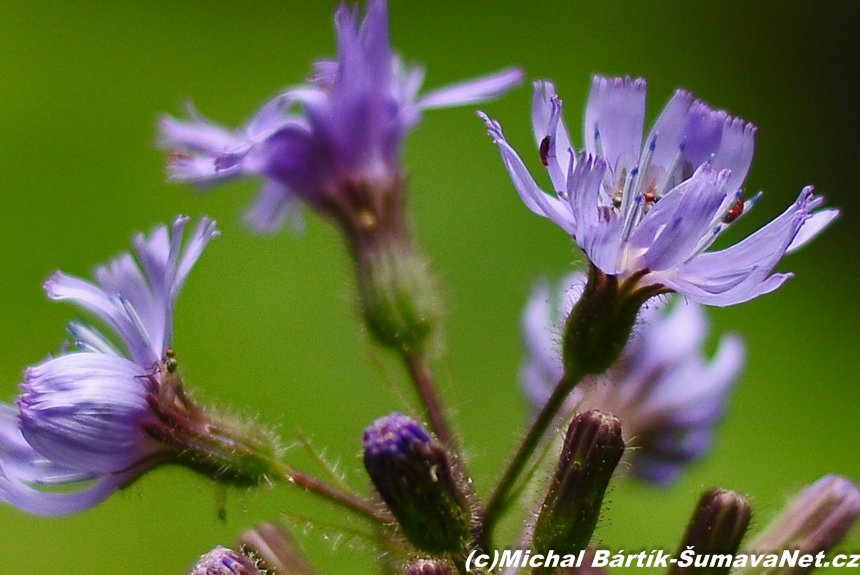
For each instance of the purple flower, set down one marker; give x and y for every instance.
(323, 141)
(81, 417)
(664, 390)
(650, 212)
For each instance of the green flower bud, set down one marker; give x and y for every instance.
(592, 448)
(716, 530)
(600, 323)
(397, 295)
(414, 476)
(812, 523)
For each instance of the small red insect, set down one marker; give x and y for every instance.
(735, 211)
(544, 151)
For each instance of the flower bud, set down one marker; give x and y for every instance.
(429, 567)
(717, 528)
(592, 448)
(397, 293)
(414, 477)
(600, 323)
(813, 522)
(223, 561)
(276, 549)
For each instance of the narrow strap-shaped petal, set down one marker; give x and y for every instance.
(535, 199)
(615, 115)
(668, 131)
(762, 249)
(703, 133)
(108, 309)
(194, 247)
(473, 91)
(275, 204)
(703, 194)
(736, 151)
(17, 493)
(197, 134)
(812, 227)
(752, 287)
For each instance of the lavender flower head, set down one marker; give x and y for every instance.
(649, 213)
(324, 142)
(81, 418)
(667, 395)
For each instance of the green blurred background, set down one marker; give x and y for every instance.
(266, 325)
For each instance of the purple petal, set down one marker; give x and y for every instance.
(17, 493)
(198, 134)
(84, 411)
(615, 114)
(811, 228)
(703, 133)
(535, 199)
(274, 205)
(108, 309)
(736, 151)
(701, 197)
(668, 131)
(482, 89)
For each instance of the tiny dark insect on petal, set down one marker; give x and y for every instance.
(544, 151)
(735, 211)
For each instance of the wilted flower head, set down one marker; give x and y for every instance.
(334, 143)
(82, 417)
(648, 212)
(664, 390)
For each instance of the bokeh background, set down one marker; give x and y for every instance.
(266, 325)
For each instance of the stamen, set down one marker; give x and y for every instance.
(632, 219)
(628, 199)
(670, 173)
(706, 241)
(644, 163)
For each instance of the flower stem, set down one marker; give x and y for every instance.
(334, 494)
(500, 498)
(416, 364)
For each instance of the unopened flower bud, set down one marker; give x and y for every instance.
(429, 567)
(600, 323)
(277, 550)
(223, 561)
(397, 293)
(592, 448)
(716, 529)
(813, 522)
(414, 476)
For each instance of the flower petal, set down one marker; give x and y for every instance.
(535, 199)
(481, 89)
(615, 116)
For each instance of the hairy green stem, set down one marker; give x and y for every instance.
(424, 384)
(500, 498)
